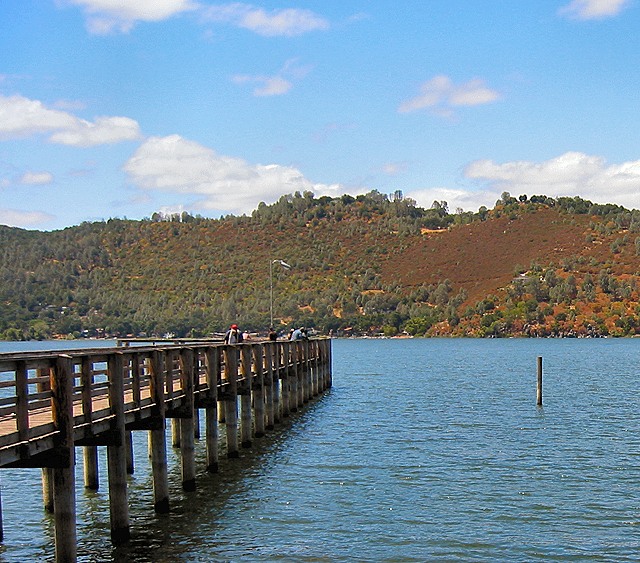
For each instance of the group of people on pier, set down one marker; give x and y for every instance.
(235, 336)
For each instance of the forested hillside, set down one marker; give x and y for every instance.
(367, 264)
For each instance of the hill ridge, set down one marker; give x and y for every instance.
(367, 264)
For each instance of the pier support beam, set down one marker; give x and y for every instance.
(117, 455)
(212, 365)
(1, 524)
(175, 433)
(258, 391)
(196, 424)
(158, 445)
(64, 483)
(267, 371)
(90, 464)
(187, 454)
(292, 377)
(129, 447)
(306, 372)
(284, 378)
(230, 397)
(157, 436)
(315, 363)
(277, 398)
(47, 489)
(187, 434)
(45, 376)
(244, 391)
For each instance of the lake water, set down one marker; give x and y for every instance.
(423, 450)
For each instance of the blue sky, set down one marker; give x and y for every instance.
(112, 108)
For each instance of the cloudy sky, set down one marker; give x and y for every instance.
(114, 108)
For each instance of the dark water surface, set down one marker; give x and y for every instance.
(424, 450)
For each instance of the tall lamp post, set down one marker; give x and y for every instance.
(286, 267)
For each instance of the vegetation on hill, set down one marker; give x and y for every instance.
(371, 264)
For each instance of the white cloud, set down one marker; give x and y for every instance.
(18, 218)
(331, 129)
(266, 85)
(36, 178)
(570, 174)
(169, 210)
(394, 168)
(275, 85)
(177, 165)
(107, 16)
(288, 22)
(464, 199)
(105, 130)
(22, 117)
(593, 9)
(70, 105)
(441, 95)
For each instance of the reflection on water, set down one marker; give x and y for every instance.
(424, 450)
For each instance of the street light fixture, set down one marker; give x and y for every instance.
(286, 267)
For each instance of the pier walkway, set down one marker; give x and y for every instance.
(52, 402)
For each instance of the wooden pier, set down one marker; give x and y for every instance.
(53, 402)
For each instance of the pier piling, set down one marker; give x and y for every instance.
(539, 386)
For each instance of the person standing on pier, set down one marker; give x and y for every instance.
(273, 335)
(299, 334)
(233, 335)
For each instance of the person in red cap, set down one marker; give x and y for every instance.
(233, 335)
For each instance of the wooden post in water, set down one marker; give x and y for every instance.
(196, 379)
(196, 423)
(129, 446)
(326, 364)
(175, 433)
(298, 361)
(175, 423)
(283, 368)
(317, 363)
(302, 372)
(1, 525)
(43, 385)
(292, 376)
(157, 438)
(277, 403)
(91, 473)
(313, 370)
(246, 430)
(90, 453)
(269, 385)
(231, 399)
(117, 455)
(187, 434)
(258, 390)
(64, 494)
(306, 370)
(47, 489)
(539, 394)
(212, 366)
